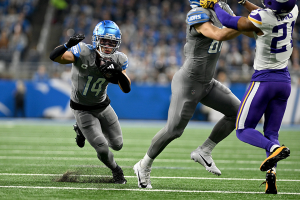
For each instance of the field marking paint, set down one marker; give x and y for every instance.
(153, 177)
(123, 166)
(132, 159)
(143, 190)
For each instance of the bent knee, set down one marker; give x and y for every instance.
(117, 147)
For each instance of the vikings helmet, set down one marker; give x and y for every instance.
(106, 34)
(280, 7)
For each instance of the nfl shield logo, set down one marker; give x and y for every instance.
(193, 92)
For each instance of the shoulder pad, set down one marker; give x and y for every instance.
(81, 49)
(122, 59)
(197, 15)
(255, 17)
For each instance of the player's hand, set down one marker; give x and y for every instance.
(75, 39)
(242, 2)
(208, 3)
(109, 68)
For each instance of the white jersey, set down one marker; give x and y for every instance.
(275, 46)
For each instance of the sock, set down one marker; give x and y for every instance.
(274, 169)
(117, 168)
(146, 161)
(273, 147)
(208, 145)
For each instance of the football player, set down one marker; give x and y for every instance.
(192, 84)
(270, 85)
(93, 67)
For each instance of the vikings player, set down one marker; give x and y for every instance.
(192, 84)
(94, 66)
(270, 85)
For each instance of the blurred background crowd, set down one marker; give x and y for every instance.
(153, 36)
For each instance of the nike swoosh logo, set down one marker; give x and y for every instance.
(208, 164)
(138, 174)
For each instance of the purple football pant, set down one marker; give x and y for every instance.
(270, 99)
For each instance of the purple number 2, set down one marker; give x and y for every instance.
(282, 37)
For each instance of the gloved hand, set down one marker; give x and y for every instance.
(208, 3)
(74, 40)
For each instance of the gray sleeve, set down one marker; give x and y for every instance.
(226, 7)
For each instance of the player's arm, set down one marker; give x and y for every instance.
(60, 53)
(216, 33)
(124, 82)
(248, 5)
(236, 22)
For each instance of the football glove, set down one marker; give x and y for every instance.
(74, 40)
(208, 3)
(242, 2)
(110, 69)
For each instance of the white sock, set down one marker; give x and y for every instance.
(274, 169)
(208, 145)
(146, 161)
(273, 147)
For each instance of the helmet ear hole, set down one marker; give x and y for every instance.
(269, 3)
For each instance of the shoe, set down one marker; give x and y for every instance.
(278, 154)
(80, 139)
(270, 182)
(118, 176)
(143, 175)
(205, 160)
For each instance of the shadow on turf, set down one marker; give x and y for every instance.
(78, 177)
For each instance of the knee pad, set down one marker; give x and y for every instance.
(117, 147)
(238, 133)
(102, 149)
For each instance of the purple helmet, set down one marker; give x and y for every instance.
(279, 6)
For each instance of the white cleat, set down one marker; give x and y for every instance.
(206, 160)
(143, 175)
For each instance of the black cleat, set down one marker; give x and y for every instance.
(277, 155)
(80, 139)
(270, 182)
(118, 176)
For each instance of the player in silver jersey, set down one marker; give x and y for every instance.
(192, 84)
(270, 85)
(93, 67)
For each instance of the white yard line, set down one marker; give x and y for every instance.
(153, 177)
(143, 190)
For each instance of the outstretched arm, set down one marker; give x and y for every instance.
(60, 53)
(215, 33)
(248, 5)
(238, 23)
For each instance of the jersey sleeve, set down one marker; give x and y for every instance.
(256, 17)
(122, 59)
(197, 16)
(81, 49)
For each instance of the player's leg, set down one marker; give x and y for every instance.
(111, 128)
(112, 131)
(184, 100)
(273, 117)
(92, 131)
(219, 98)
(252, 108)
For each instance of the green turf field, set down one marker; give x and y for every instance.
(34, 157)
